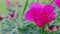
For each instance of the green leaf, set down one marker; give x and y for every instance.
(9, 9)
(19, 29)
(25, 7)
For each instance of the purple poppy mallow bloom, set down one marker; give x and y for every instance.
(9, 3)
(40, 13)
(12, 14)
(57, 2)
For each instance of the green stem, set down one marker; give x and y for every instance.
(43, 29)
(25, 7)
(53, 33)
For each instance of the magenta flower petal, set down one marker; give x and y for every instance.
(38, 23)
(35, 10)
(40, 13)
(29, 15)
(48, 8)
(52, 16)
(57, 2)
(37, 5)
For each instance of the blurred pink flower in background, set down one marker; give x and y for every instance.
(18, 3)
(1, 17)
(52, 28)
(12, 14)
(9, 3)
(40, 13)
(57, 2)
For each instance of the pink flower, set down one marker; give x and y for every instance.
(1, 17)
(40, 13)
(9, 3)
(18, 3)
(57, 2)
(52, 28)
(12, 14)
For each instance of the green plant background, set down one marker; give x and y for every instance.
(3, 7)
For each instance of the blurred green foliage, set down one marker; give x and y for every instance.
(3, 7)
